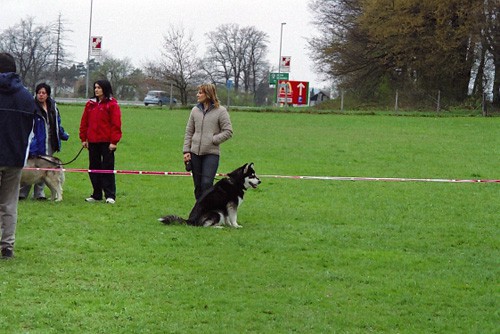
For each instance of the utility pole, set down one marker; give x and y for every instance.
(279, 66)
(88, 52)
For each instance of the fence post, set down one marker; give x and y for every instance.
(171, 97)
(484, 107)
(342, 100)
(396, 103)
(438, 106)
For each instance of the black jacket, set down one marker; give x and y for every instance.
(17, 108)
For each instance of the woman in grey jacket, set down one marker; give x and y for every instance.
(208, 126)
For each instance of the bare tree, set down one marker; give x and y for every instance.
(179, 64)
(236, 53)
(226, 48)
(61, 55)
(119, 73)
(255, 67)
(33, 47)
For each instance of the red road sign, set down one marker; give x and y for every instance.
(96, 45)
(293, 92)
(285, 63)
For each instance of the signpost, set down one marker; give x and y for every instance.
(293, 92)
(229, 86)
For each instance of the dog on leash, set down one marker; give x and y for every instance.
(218, 206)
(54, 179)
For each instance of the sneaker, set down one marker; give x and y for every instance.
(110, 200)
(7, 254)
(91, 199)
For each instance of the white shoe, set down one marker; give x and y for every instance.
(110, 201)
(91, 200)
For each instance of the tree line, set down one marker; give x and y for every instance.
(419, 47)
(232, 53)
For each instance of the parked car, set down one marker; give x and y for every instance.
(158, 97)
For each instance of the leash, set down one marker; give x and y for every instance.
(62, 164)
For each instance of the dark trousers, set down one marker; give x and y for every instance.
(101, 157)
(204, 170)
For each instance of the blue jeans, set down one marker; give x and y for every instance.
(204, 170)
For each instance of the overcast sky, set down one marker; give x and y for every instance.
(134, 29)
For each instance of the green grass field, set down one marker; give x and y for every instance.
(313, 256)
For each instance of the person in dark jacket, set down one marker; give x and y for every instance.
(48, 134)
(100, 132)
(16, 124)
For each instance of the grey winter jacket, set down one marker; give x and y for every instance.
(205, 131)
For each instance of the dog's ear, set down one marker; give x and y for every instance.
(238, 171)
(245, 168)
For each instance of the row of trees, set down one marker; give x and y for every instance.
(371, 47)
(40, 50)
(233, 53)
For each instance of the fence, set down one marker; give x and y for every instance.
(415, 100)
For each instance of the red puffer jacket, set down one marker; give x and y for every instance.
(101, 122)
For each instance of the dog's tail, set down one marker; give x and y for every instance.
(167, 220)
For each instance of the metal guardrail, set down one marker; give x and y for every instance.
(83, 101)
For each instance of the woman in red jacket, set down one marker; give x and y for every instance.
(100, 132)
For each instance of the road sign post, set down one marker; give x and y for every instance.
(292, 93)
(274, 77)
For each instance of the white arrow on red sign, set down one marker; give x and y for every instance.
(300, 86)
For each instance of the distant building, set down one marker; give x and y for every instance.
(318, 97)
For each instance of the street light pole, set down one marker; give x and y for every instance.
(279, 64)
(281, 44)
(88, 52)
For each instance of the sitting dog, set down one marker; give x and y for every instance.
(54, 179)
(218, 206)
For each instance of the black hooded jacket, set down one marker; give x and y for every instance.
(17, 108)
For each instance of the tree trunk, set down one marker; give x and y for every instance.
(496, 81)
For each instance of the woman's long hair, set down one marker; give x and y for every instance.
(43, 85)
(48, 90)
(51, 115)
(211, 93)
(106, 88)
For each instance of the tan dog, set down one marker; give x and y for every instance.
(53, 179)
